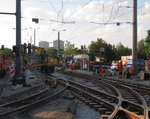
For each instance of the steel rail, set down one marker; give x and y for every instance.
(12, 103)
(138, 96)
(90, 78)
(12, 97)
(98, 96)
(34, 104)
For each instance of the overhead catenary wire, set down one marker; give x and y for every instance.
(79, 9)
(101, 10)
(98, 12)
(112, 17)
(72, 14)
(102, 25)
(54, 9)
(117, 11)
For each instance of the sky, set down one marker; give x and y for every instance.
(83, 20)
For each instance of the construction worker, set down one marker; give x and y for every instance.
(120, 68)
(148, 65)
(101, 71)
(131, 71)
(72, 65)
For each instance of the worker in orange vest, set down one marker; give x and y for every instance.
(120, 68)
(101, 71)
(131, 71)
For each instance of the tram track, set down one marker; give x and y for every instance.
(30, 102)
(132, 103)
(143, 90)
(102, 102)
(107, 87)
(21, 94)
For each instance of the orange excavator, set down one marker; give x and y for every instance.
(5, 61)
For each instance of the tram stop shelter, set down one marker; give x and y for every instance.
(82, 61)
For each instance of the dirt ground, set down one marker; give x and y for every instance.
(58, 109)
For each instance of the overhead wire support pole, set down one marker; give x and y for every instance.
(134, 47)
(58, 42)
(18, 75)
(58, 39)
(34, 37)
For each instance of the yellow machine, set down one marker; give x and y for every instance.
(45, 62)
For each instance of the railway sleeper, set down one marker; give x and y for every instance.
(102, 109)
(81, 97)
(108, 100)
(136, 111)
(92, 104)
(105, 111)
(134, 101)
(108, 112)
(88, 101)
(105, 116)
(97, 106)
(132, 98)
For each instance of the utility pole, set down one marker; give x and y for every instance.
(18, 75)
(134, 47)
(34, 37)
(58, 39)
(58, 42)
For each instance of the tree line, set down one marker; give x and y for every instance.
(111, 52)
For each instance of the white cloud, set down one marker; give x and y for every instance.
(83, 32)
(115, 34)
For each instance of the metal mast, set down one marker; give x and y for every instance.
(18, 75)
(134, 48)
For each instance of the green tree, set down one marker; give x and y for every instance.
(112, 52)
(147, 40)
(95, 48)
(51, 51)
(144, 46)
(70, 49)
(6, 51)
(69, 46)
(121, 50)
(142, 49)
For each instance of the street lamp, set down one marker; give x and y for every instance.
(59, 37)
(34, 34)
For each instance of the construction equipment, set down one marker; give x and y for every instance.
(42, 61)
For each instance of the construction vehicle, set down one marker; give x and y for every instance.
(42, 61)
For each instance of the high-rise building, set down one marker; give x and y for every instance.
(55, 44)
(44, 44)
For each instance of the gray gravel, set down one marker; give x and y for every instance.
(85, 112)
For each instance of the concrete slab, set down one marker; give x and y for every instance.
(6, 85)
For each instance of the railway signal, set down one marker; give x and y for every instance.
(36, 20)
(25, 48)
(29, 48)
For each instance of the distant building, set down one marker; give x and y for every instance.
(55, 44)
(84, 49)
(44, 44)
